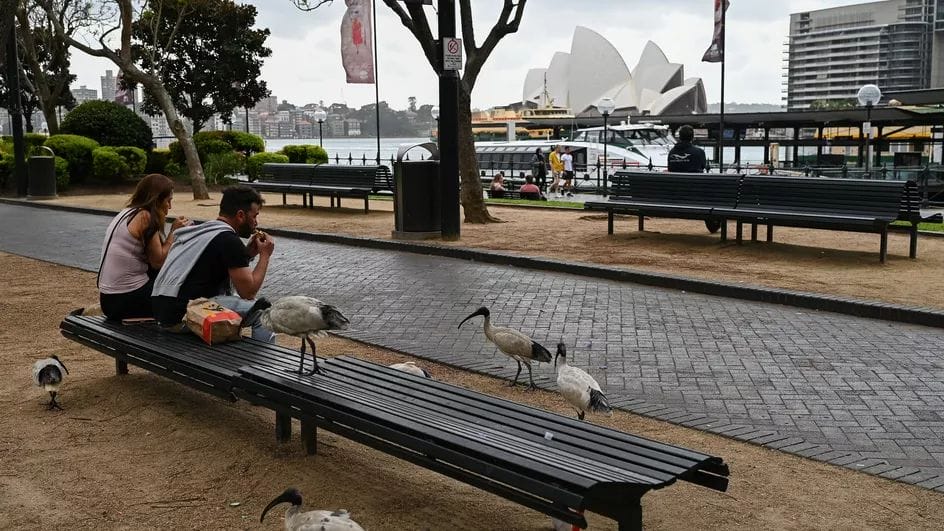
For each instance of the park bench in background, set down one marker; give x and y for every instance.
(512, 194)
(333, 181)
(855, 205)
(670, 195)
(556, 465)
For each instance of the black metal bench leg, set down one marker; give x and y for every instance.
(754, 231)
(309, 436)
(609, 222)
(883, 249)
(283, 200)
(121, 367)
(913, 246)
(770, 232)
(631, 519)
(724, 230)
(740, 231)
(366, 206)
(283, 427)
(305, 200)
(642, 221)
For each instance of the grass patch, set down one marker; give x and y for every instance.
(533, 203)
(932, 227)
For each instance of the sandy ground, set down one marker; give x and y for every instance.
(141, 451)
(839, 263)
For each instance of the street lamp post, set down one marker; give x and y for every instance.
(320, 115)
(868, 95)
(605, 106)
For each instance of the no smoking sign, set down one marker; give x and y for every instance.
(452, 54)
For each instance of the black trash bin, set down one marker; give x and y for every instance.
(42, 176)
(417, 206)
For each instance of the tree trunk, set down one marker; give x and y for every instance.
(473, 204)
(52, 121)
(194, 168)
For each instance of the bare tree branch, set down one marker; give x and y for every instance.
(306, 5)
(476, 59)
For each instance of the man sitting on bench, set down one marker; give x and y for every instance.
(687, 157)
(206, 258)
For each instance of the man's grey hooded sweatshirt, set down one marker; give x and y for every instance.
(189, 244)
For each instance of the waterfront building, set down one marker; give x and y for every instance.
(109, 85)
(84, 94)
(594, 69)
(831, 53)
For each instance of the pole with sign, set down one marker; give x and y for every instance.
(449, 119)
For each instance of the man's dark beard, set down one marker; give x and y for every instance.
(245, 230)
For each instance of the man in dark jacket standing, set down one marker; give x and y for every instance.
(684, 157)
(539, 169)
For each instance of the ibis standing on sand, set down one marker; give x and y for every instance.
(48, 373)
(579, 389)
(298, 316)
(513, 344)
(295, 520)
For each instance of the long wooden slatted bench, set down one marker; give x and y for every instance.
(672, 195)
(333, 181)
(512, 194)
(550, 463)
(821, 203)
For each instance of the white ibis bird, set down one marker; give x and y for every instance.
(48, 373)
(513, 344)
(579, 389)
(299, 316)
(410, 367)
(295, 520)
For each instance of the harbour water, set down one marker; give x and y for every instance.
(356, 148)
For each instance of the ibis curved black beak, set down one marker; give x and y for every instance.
(561, 352)
(481, 311)
(289, 496)
(60, 363)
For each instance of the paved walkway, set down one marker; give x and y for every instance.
(860, 393)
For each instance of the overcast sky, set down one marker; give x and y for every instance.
(305, 65)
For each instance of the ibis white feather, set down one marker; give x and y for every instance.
(578, 388)
(410, 367)
(318, 520)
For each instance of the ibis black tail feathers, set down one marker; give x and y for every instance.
(598, 403)
(539, 353)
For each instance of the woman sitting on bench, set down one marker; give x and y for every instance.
(498, 185)
(135, 248)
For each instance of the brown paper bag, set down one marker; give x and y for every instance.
(212, 322)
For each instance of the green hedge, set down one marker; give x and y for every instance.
(219, 167)
(6, 169)
(209, 142)
(255, 162)
(77, 150)
(115, 164)
(109, 124)
(62, 174)
(305, 154)
(157, 160)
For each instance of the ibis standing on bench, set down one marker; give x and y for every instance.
(295, 520)
(578, 388)
(513, 344)
(298, 316)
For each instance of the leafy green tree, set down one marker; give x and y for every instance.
(46, 58)
(213, 57)
(836, 104)
(413, 17)
(109, 124)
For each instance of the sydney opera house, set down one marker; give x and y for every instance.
(594, 69)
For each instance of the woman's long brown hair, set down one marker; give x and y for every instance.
(149, 195)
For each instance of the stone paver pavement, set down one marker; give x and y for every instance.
(860, 393)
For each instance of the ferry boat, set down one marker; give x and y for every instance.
(627, 146)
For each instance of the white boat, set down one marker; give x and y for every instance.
(627, 146)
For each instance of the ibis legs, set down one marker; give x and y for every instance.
(301, 361)
(530, 376)
(52, 402)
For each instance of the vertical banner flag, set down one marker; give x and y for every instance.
(357, 54)
(122, 94)
(715, 52)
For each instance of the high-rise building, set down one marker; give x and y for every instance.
(84, 94)
(831, 53)
(109, 85)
